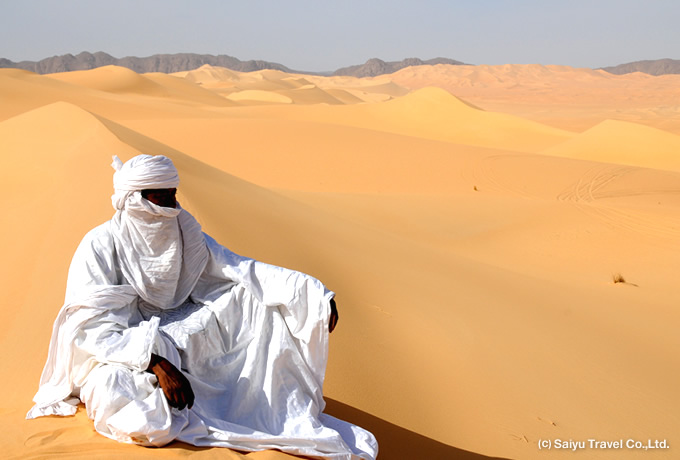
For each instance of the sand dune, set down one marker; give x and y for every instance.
(22, 91)
(207, 74)
(434, 113)
(429, 113)
(624, 143)
(302, 89)
(112, 79)
(310, 94)
(120, 80)
(564, 97)
(256, 95)
(471, 228)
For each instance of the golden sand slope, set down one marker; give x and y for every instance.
(622, 142)
(473, 252)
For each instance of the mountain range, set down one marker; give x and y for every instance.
(374, 67)
(653, 67)
(168, 63)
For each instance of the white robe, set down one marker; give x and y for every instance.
(252, 339)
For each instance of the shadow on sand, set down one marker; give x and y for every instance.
(397, 443)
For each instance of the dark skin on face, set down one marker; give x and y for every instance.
(165, 197)
(174, 384)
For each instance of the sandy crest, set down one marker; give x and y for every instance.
(473, 252)
(613, 141)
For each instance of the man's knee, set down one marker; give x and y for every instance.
(108, 388)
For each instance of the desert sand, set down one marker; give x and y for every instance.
(472, 221)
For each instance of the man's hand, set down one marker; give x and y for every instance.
(333, 321)
(174, 384)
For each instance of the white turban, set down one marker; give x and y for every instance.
(140, 173)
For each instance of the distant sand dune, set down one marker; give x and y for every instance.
(112, 79)
(433, 113)
(256, 95)
(624, 143)
(565, 97)
(311, 94)
(282, 86)
(27, 91)
(208, 74)
(470, 219)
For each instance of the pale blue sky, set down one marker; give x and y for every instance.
(322, 35)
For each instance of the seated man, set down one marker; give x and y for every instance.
(166, 335)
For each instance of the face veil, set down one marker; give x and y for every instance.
(160, 249)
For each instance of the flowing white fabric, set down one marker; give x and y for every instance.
(252, 339)
(160, 250)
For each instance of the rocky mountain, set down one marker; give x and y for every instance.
(655, 67)
(166, 63)
(169, 63)
(374, 67)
